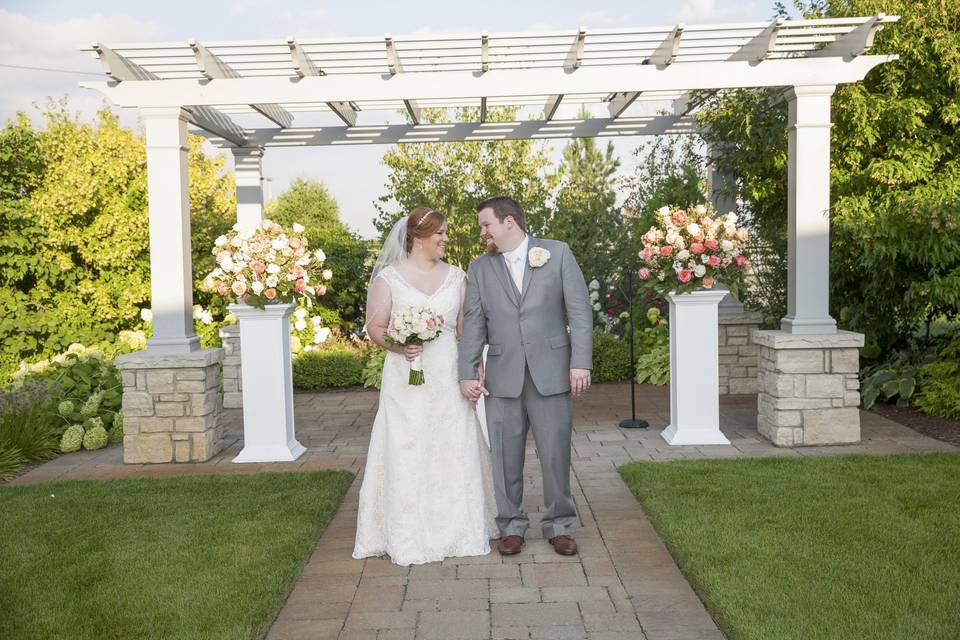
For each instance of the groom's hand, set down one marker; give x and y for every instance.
(579, 380)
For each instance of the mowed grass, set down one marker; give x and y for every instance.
(829, 547)
(188, 557)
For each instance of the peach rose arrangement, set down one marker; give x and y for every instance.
(266, 265)
(693, 248)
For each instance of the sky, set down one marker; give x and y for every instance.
(48, 35)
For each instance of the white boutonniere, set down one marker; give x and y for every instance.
(538, 257)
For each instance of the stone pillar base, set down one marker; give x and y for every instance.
(738, 353)
(809, 389)
(171, 406)
(232, 381)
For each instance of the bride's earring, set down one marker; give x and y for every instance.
(419, 244)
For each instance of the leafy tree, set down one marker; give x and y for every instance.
(586, 215)
(895, 170)
(455, 177)
(310, 203)
(74, 259)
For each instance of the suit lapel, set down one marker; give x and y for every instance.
(527, 269)
(500, 268)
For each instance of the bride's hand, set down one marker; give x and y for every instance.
(411, 351)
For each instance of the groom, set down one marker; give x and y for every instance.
(520, 301)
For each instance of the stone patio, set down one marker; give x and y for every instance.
(623, 584)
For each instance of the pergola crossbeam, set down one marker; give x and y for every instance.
(666, 51)
(207, 118)
(760, 46)
(621, 101)
(549, 109)
(213, 68)
(396, 67)
(575, 56)
(855, 42)
(469, 131)
(302, 64)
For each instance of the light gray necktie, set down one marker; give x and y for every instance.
(516, 270)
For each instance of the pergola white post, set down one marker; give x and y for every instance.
(808, 211)
(248, 172)
(168, 197)
(249, 177)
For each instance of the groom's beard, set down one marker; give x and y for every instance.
(491, 246)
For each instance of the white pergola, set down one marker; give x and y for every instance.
(358, 79)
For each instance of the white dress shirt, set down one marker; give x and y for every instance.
(517, 261)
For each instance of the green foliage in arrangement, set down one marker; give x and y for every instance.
(309, 202)
(455, 177)
(338, 366)
(373, 369)
(611, 357)
(74, 265)
(895, 173)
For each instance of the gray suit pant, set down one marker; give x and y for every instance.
(507, 422)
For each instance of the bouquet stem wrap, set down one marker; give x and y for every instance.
(416, 372)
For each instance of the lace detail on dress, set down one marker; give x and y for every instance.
(427, 490)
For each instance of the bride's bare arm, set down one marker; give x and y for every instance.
(379, 303)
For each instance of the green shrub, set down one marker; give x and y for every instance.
(28, 425)
(337, 367)
(611, 358)
(116, 430)
(95, 438)
(653, 349)
(373, 369)
(11, 461)
(72, 438)
(939, 389)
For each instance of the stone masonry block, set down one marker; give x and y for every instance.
(800, 361)
(201, 423)
(160, 381)
(191, 386)
(202, 404)
(155, 447)
(137, 403)
(831, 426)
(825, 386)
(170, 409)
(845, 361)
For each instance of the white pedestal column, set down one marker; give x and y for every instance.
(267, 370)
(168, 202)
(808, 212)
(694, 369)
(247, 163)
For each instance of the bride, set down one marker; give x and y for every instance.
(427, 490)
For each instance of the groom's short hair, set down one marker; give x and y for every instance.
(504, 207)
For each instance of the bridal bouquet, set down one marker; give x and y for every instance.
(414, 325)
(266, 264)
(692, 248)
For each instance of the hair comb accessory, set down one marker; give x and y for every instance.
(425, 216)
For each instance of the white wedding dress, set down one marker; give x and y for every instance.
(427, 490)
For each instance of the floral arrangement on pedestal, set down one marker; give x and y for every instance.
(693, 248)
(266, 265)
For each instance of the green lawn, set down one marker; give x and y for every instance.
(190, 557)
(844, 547)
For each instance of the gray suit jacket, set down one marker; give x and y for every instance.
(528, 328)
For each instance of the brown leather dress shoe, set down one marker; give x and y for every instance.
(564, 545)
(510, 545)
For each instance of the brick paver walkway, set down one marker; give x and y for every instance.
(623, 584)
